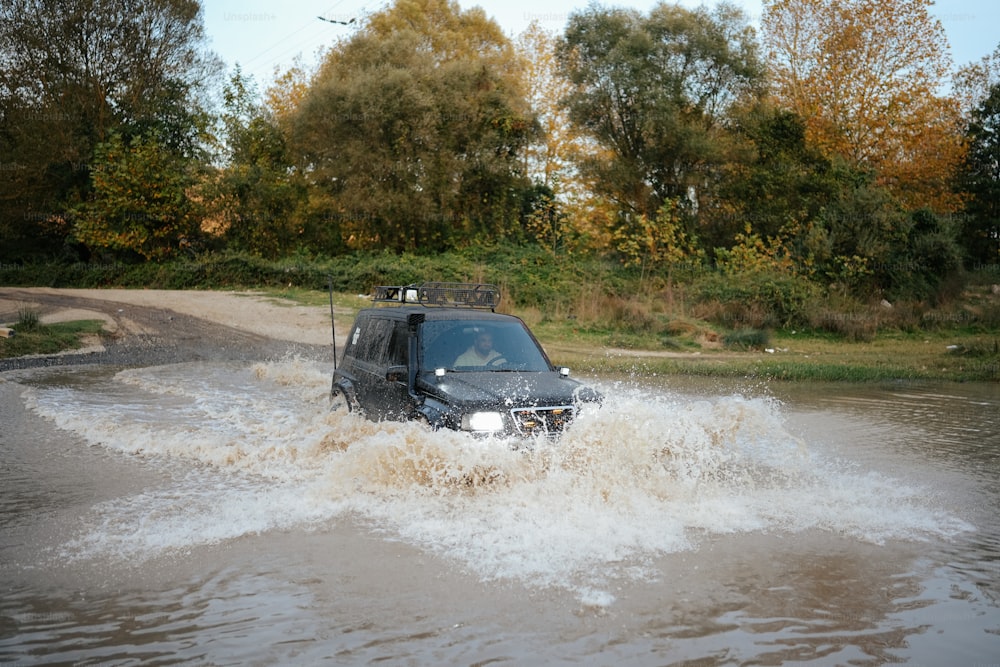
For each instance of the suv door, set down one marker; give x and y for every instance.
(395, 400)
(368, 349)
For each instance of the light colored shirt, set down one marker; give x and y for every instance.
(471, 357)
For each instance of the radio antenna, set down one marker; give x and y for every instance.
(333, 328)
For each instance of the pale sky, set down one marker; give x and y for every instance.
(263, 34)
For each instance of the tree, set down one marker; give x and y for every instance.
(777, 184)
(140, 204)
(414, 130)
(981, 179)
(876, 248)
(657, 241)
(544, 219)
(286, 92)
(652, 92)
(973, 81)
(256, 193)
(75, 73)
(920, 267)
(861, 226)
(549, 160)
(866, 76)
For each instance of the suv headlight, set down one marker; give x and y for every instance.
(482, 421)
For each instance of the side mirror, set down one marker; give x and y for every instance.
(564, 372)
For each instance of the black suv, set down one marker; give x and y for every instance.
(443, 355)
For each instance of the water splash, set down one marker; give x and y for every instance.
(254, 449)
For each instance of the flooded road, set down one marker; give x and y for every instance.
(219, 513)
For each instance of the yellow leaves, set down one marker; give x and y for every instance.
(549, 160)
(660, 239)
(753, 254)
(444, 27)
(865, 76)
(138, 202)
(287, 91)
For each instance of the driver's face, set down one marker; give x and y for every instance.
(484, 343)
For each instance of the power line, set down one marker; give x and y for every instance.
(309, 32)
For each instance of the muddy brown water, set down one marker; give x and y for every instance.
(218, 513)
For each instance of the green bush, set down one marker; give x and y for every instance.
(755, 300)
(844, 316)
(27, 320)
(747, 339)
(590, 294)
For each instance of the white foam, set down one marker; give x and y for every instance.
(644, 475)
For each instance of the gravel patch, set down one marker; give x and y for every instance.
(145, 335)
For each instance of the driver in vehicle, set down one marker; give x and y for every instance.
(480, 353)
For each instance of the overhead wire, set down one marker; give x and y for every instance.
(310, 32)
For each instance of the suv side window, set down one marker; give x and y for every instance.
(370, 340)
(354, 338)
(398, 345)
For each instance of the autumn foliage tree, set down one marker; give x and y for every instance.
(548, 160)
(656, 241)
(867, 76)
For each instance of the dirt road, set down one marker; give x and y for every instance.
(147, 327)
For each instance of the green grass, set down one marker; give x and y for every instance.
(40, 338)
(675, 345)
(298, 296)
(942, 355)
(688, 346)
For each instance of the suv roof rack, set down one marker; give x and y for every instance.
(461, 295)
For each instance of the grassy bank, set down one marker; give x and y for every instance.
(595, 314)
(32, 337)
(958, 358)
(959, 354)
(948, 355)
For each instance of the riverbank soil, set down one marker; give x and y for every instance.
(149, 327)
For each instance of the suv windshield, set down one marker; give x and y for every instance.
(476, 345)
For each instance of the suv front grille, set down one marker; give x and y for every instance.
(548, 420)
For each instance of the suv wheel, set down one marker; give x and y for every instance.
(341, 404)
